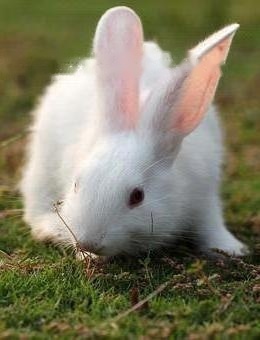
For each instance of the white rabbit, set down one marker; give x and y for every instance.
(131, 146)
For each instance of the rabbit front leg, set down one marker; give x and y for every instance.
(214, 234)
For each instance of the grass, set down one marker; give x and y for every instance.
(44, 292)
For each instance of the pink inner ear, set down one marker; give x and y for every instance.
(128, 101)
(118, 50)
(128, 92)
(199, 88)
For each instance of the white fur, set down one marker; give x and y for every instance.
(68, 146)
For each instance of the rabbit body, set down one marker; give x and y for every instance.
(72, 159)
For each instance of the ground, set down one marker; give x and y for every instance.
(44, 291)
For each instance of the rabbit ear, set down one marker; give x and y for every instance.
(118, 46)
(200, 86)
(189, 91)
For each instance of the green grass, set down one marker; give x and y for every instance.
(45, 292)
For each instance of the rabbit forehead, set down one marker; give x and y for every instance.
(120, 159)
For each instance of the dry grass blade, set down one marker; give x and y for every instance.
(9, 212)
(7, 142)
(141, 303)
(5, 255)
(86, 256)
(56, 205)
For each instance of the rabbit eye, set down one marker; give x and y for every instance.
(136, 197)
(75, 187)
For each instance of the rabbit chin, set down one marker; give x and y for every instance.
(136, 248)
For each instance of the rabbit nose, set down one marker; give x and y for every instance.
(91, 247)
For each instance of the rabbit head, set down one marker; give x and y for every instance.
(122, 196)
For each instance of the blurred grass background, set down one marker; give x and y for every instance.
(40, 38)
